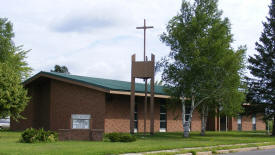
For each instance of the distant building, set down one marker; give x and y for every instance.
(84, 108)
(5, 123)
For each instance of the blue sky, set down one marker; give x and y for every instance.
(97, 37)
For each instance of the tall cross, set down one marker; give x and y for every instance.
(144, 28)
(145, 59)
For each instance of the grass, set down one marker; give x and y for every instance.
(9, 143)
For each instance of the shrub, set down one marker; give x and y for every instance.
(127, 138)
(114, 137)
(120, 137)
(32, 136)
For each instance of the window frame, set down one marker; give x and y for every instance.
(254, 127)
(163, 120)
(239, 125)
(136, 118)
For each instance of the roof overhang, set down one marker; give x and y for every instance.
(74, 82)
(42, 74)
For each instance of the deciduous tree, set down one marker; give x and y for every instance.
(13, 70)
(202, 67)
(60, 69)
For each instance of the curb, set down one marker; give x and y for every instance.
(266, 147)
(204, 153)
(245, 149)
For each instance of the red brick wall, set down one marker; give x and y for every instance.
(174, 119)
(37, 111)
(234, 124)
(41, 102)
(260, 124)
(78, 134)
(117, 115)
(247, 123)
(69, 134)
(196, 121)
(140, 101)
(53, 102)
(68, 99)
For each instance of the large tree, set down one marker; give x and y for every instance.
(262, 67)
(60, 69)
(13, 70)
(202, 67)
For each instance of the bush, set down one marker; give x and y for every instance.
(127, 138)
(121, 137)
(33, 135)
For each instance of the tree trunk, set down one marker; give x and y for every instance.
(186, 129)
(273, 129)
(183, 116)
(187, 124)
(204, 119)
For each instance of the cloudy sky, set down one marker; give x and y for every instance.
(97, 37)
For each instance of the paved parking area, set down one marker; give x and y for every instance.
(258, 152)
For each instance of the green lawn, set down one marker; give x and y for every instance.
(9, 143)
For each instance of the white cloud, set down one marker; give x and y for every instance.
(97, 38)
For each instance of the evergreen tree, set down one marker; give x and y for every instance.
(202, 67)
(13, 70)
(262, 67)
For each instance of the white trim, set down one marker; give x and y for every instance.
(162, 130)
(137, 94)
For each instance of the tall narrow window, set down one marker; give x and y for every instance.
(136, 118)
(254, 122)
(163, 118)
(188, 114)
(239, 121)
(187, 111)
(80, 121)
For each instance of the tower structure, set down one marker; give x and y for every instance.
(145, 70)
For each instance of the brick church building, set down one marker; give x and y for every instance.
(84, 108)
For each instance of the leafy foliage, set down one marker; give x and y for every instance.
(120, 137)
(13, 69)
(33, 135)
(60, 69)
(262, 67)
(202, 65)
(13, 97)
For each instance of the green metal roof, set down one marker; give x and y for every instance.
(103, 83)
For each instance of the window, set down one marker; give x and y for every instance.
(136, 118)
(239, 121)
(187, 111)
(163, 118)
(81, 121)
(254, 122)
